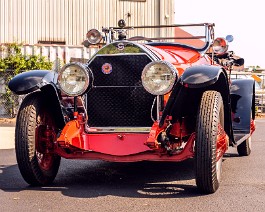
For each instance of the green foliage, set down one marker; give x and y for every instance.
(13, 62)
(16, 61)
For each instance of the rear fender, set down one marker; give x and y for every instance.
(243, 107)
(30, 81)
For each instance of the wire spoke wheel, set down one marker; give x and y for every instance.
(33, 143)
(45, 161)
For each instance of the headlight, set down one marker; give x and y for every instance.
(220, 46)
(158, 77)
(93, 36)
(73, 79)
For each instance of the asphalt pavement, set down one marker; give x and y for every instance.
(142, 186)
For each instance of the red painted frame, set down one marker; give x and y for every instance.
(124, 147)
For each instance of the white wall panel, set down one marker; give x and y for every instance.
(30, 21)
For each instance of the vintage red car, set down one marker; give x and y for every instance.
(137, 99)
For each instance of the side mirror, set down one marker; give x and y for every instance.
(229, 38)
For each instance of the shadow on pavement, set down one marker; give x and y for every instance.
(89, 179)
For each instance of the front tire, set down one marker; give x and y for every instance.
(207, 167)
(37, 165)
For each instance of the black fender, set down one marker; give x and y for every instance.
(186, 94)
(30, 81)
(200, 76)
(43, 80)
(52, 97)
(243, 107)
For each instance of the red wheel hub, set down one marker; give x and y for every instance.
(45, 136)
(45, 160)
(221, 143)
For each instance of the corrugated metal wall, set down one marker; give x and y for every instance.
(30, 21)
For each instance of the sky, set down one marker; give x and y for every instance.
(242, 19)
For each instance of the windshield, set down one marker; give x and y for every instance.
(198, 36)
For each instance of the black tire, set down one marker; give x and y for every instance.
(36, 167)
(244, 149)
(207, 168)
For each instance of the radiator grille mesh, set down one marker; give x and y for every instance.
(118, 99)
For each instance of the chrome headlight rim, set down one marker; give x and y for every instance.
(93, 36)
(173, 72)
(220, 46)
(85, 71)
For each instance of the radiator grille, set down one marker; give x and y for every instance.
(118, 99)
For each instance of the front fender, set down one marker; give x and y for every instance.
(186, 95)
(200, 76)
(30, 81)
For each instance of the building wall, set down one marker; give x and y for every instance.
(67, 21)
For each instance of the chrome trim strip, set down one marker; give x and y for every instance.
(122, 54)
(117, 129)
(100, 86)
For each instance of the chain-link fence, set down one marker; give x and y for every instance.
(9, 102)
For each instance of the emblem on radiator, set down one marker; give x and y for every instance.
(120, 46)
(106, 68)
